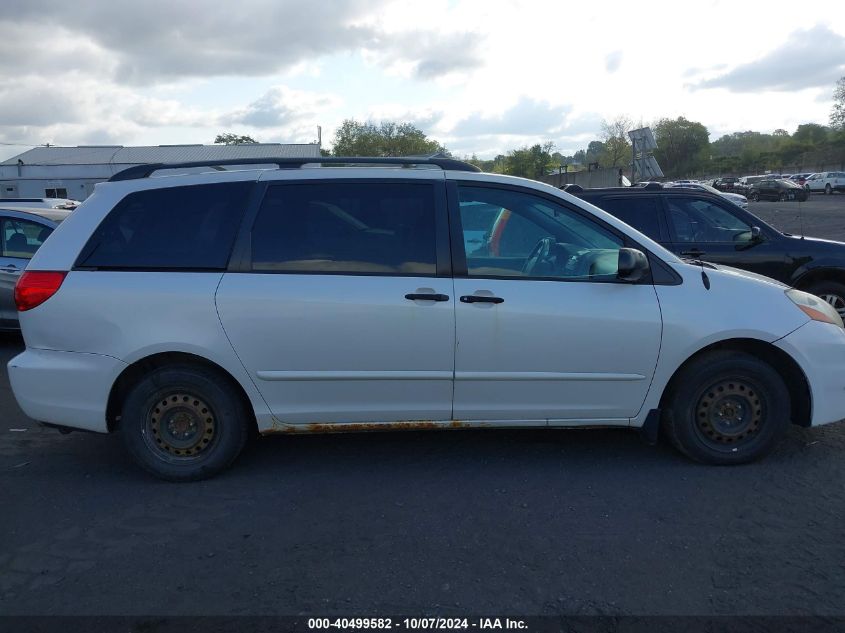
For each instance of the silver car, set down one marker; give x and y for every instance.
(22, 231)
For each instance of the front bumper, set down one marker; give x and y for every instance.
(65, 388)
(819, 349)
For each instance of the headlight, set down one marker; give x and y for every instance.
(814, 307)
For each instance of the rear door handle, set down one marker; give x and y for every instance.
(480, 299)
(426, 296)
(10, 268)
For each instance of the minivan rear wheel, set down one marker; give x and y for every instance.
(183, 423)
(727, 408)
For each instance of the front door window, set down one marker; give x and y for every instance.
(510, 234)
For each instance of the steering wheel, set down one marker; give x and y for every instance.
(540, 254)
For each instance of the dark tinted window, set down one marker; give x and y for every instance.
(334, 227)
(176, 227)
(643, 213)
(703, 221)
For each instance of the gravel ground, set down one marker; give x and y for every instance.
(821, 216)
(453, 523)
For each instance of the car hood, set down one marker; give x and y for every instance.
(738, 272)
(732, 196)
(821, 244)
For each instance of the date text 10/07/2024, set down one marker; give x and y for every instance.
(384, 624)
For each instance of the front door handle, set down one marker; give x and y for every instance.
(480, 299)
(426, 296)
(693, 253)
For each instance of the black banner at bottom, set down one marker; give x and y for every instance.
(357, 624)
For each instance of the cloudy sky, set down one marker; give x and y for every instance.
(481, 76)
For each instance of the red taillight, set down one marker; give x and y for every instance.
(34, 288)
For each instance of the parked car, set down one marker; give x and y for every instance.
(725, 184)
(736, 198)
(21, 233)
(701, 225)
(826, 181)
(799, 179)
(181, 312)
(39, 203)
(743, 186)
(782, 190)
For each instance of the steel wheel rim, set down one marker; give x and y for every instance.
(836, 301)
(729, 413)
(180, 426)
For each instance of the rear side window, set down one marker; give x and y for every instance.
(21, 238)
(335, 227)
(182, 228)
(643, 213)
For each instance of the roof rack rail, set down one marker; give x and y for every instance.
(144, 171)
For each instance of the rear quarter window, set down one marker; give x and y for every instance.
(182, 228)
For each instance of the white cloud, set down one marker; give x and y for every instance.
(479, 76)
(280, 106)
(810, 58)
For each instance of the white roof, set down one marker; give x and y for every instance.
(120, 155)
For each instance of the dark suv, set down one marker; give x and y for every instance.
(699, 225)
(725, 184)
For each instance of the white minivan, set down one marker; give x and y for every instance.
(184, 311)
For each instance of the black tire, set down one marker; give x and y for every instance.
(751, 391)
(831, 291)
(755, 197)
(828, 190)
(184, 423)
(783, 197)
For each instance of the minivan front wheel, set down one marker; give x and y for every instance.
(727, 408)
(183, 423)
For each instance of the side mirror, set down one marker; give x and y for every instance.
(633, 265)
(747, 239)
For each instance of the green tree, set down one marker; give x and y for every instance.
(811, 133)
(617, 148)
(682, 146)
(227, 138)
(387, 138)
(530, 162)
(837, 114)
(595, 150)
(483, 165)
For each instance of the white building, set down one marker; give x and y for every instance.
(72, 172)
